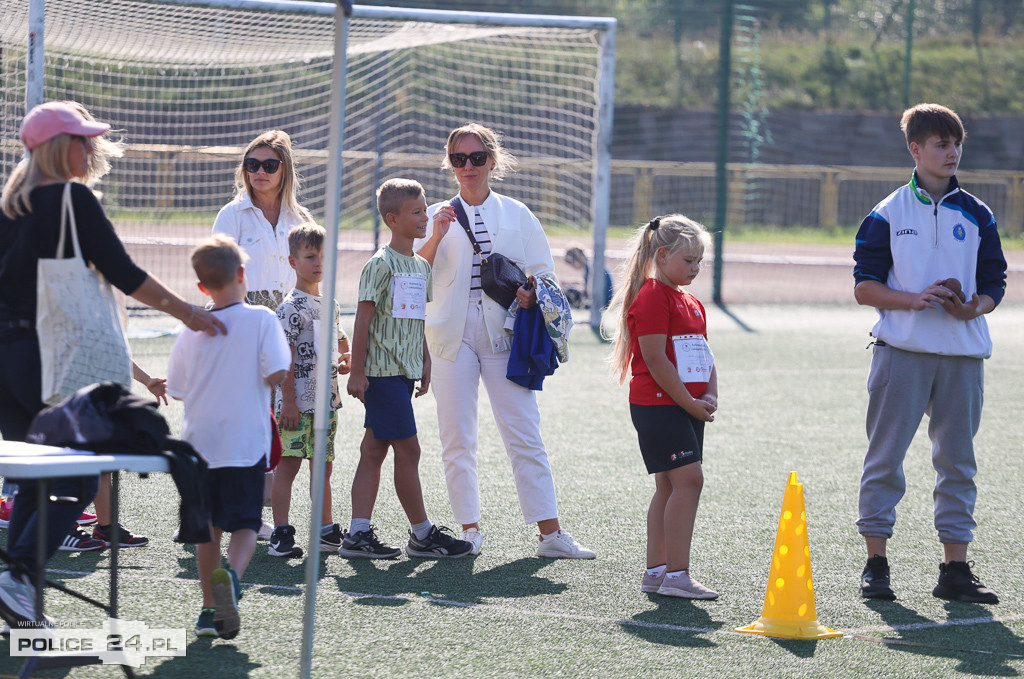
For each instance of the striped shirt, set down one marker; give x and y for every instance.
(394, 345)
(483, 239)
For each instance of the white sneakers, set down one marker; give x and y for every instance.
(475, 537)
(265, 531)
(563, 546)
(683, 586)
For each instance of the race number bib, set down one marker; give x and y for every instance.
(694, 359)
(409, 295)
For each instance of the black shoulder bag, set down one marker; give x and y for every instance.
(500, 277)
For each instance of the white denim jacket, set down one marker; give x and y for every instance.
(515, 233)
(267, 247)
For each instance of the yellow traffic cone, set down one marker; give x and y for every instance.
(789, 610)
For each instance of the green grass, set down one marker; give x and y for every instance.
(792, 399)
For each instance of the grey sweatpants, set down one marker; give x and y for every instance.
(903, 386)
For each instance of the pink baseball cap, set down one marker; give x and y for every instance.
(46, 121)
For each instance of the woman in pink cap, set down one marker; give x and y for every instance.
(62, 146)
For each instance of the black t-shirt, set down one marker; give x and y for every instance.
(25, 240)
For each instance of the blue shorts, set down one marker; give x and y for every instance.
(669, 436)
(234, 496)
(388, 402)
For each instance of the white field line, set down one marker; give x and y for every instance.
(857, 634)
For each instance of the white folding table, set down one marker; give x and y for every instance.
(30, 462)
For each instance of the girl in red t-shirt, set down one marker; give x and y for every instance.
(662, 342)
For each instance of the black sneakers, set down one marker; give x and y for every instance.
(282, 543)
(874, 581)
(958, 583)
(441, 543)
(364, 544)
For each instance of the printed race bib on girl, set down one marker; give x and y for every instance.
(694, 359)
(409, 295)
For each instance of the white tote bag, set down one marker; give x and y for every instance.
(81, 339)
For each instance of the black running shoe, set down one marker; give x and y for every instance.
(958, 583)
(282, 543)
(365, 545)
(441, 543)
(332, 541)
(124, 537)
(874, 581)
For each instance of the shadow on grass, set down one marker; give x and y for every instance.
(736, 319)
(675, 622)
(451, 579)
(268, 574)
(982, 646)
(206, 657)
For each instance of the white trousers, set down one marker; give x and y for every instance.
(456, 385)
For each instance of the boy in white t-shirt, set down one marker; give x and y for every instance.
(299, 315)
(225, 383)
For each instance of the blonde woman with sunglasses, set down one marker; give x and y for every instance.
(263, 211)
(467, 341)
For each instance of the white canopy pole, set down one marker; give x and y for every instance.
(327, 336)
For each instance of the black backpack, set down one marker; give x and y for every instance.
(107, 418)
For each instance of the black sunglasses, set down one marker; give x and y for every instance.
(478, 158)
(269, 165)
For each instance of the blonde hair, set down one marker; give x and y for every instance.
(49, 160)
(309, 234)
(504, 162)
(280, 143)
(673, 233)
(216, 261)
(393, 193)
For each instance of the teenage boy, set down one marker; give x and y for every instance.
(913, 253)
(300, 315)
(225, 383)
(389, 354)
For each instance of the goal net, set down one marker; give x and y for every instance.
(188, 84)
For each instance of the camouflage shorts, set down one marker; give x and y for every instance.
(299, 443)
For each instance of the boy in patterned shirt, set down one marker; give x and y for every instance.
(300, 315)
(389, 354)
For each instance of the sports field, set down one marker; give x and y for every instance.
(792, 399)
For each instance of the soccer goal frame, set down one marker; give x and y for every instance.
(565, 165)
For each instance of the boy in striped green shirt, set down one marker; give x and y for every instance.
(389, 355)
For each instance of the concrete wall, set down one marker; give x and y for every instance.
(804, 138)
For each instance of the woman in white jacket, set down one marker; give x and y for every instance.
(467, 342)
(262, 213)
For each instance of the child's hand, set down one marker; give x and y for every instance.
(701, 410)
(711, 400)
(289, 418)
(357, 385)
(932, 297)
(158, 387)
(345, 363)
(424, 382)
(443, 218)
(963, 311)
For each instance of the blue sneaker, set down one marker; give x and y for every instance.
(235, 583)
(282, 543)
(204, 626)
(225, 605)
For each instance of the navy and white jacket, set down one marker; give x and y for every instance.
(910, 241)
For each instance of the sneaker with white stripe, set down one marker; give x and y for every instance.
(17, 599)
